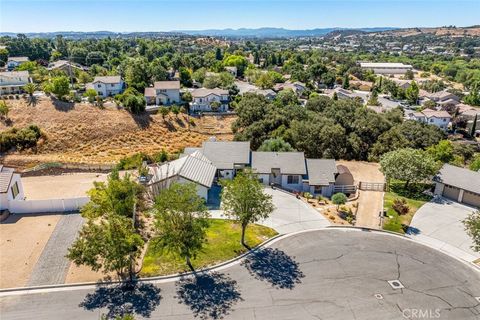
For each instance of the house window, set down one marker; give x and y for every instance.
(444, 120)
(112, 85)
(15, 190)
(292, 179)
(99, 85)
(431, 120)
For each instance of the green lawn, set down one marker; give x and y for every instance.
(415, 199)
(223, 243)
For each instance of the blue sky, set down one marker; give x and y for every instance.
(167, 15)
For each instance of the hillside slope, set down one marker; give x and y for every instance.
(82, 133)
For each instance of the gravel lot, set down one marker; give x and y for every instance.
(22, 240)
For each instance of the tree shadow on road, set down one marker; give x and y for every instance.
(209, 295)
(122, 299)
(275, 267)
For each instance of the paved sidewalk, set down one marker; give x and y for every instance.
(52, 265)
(440, 226)
(290, 215)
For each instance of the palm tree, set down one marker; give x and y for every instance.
(30, 88)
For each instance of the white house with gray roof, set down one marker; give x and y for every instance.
(440, 119)
(13, 81)
(163, 93)
(192, 168)
(285, 169)
(205, 99)
(107, 86)
(11, 187)
(227, 156)
(14, 62)
(458, 184)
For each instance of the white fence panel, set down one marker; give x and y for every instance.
(48, 205)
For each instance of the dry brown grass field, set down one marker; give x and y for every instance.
(82, 133)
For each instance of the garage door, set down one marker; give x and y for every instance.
(451, 192)
(471, 198)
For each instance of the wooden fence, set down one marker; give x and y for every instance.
(372, 186)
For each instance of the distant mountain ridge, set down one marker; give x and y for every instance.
(234, 33)
(276, 32)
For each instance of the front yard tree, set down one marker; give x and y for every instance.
(412, 93)
(117, 195)
(472, 227)
(164, 111)
(30, 89)
(339, 199)
(180, 221)
(243, 199)
(4, 109)
(409, 165)
(108, 244)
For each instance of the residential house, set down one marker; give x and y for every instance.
(386, 67)
(14, 62)
(66, 66)
(203, 99)
(440, 119)
(284, 169)
(11, 187)
(297, 87)
(227, 156)
(321, 176)
(107, 86)
(163, 93)
(192, 168)
(269, 94)
(458, 184)
(13, 81)
(232, 70)
(326, 178)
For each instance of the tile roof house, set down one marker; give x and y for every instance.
(11, 187)
(65, 66)
(107, 86)
(163, 93)
(192, 168)
(440, 119)
(458, 184)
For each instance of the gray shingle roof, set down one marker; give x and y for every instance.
(227, 154)
(192, 167)
(459, 177)
(166, 85)
(6, 175)
(321, 172)
(108, 79)
(287, 162)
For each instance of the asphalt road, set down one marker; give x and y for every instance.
(327, 274)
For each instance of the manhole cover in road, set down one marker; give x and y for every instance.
(378, 296)
(396, 284)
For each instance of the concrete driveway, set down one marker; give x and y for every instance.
(326, 274)
(290, 215)
(440, 225)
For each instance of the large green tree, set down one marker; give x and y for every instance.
(107, 244)
(180, 221)
(409, 165)
(244, 199)
(117, 195)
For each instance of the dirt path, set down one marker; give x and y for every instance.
(22, 240)
(370, 203)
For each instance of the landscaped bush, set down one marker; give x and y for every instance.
(19, 138)
(400, 206)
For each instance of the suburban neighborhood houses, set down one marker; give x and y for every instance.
(269, 173)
